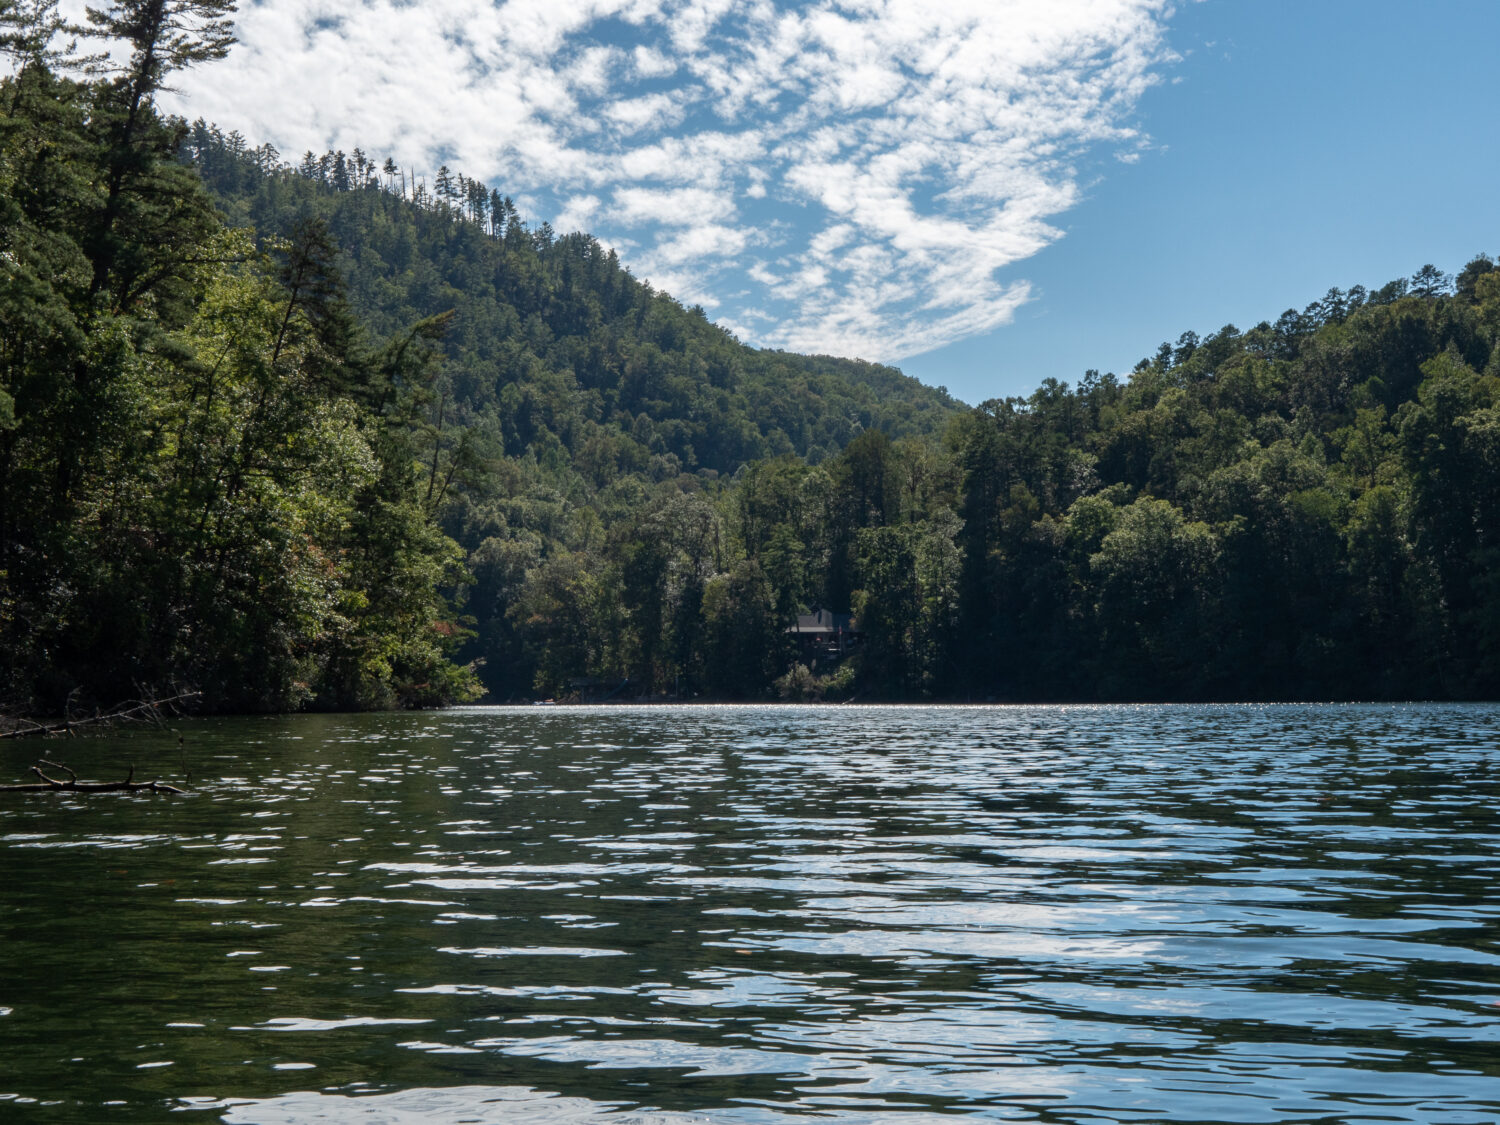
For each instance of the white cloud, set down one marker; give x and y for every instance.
(702, 242)
(633, 114)
(673, 207)
(650, 63)
(577, 214)
(861, 175)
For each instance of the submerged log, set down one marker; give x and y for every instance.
(73, 785)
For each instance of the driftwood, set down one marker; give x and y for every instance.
(73, 785)
(131, 711)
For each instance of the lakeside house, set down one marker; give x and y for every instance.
(823, 633)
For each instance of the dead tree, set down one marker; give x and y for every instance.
(131, 711)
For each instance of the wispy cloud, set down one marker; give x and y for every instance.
(859, 177)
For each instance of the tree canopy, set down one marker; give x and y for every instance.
(314, 433)
(208, 474)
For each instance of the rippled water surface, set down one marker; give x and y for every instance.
(763, 915)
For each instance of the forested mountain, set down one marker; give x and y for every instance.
(1304, 510)
(580, 420)
(553, 345)
(314, 435)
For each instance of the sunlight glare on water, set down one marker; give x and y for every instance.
(764, 915)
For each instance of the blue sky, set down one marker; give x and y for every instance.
(985, 192)
(1301, 146)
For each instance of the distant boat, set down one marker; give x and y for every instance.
(544, 703)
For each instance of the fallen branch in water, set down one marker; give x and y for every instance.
(131, 711)
(52, 785)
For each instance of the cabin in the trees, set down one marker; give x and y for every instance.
(823, 633)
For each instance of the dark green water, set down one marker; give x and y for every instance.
(764, 915)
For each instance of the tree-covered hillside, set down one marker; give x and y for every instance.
(318, 436)
(1306, 510)
(554, 348)
(583, 424)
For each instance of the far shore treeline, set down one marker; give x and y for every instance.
(315, 433)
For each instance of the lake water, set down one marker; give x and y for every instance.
(763, 916)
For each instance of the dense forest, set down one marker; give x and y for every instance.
(1303, 510)
(208, 476)
(309, 433)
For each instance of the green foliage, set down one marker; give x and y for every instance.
(554, 344)
(205, 477)
(583, 433)
(1305, 510)
(398, 436)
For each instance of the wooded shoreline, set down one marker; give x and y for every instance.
(307, 442)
